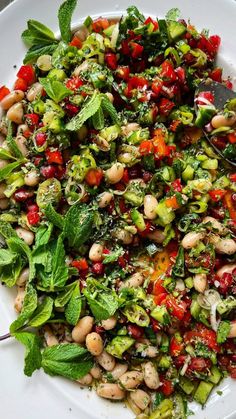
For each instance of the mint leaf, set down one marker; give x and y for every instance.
(103, 302)
(6, 257)
(113, 256)
(43, 235)
(42, 314)
(73, 309)
(20, 247)
(89, 109)
(29, 306)
(110, 109)
(68, 360)
(6, 171)
(173, 14)
(55, 89)
(64, 297)
(7, 231)
(223, 331)
(12, 144)
(53, 216)
(10, 273)
(64, 16)
(179, 266)
(37, 34)
(37, 50)
(33, 356)
(5, 155)
(98, 119)
(78, 225)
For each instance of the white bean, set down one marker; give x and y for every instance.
(180, 285)
(26, 235)
(11, 99)
(149, 351)
(119, 370)
(106, 361)
(3, 163)
(23, 278)
(4, 203)
(110, 391)
(22, 145)
(82, 67)
(215, 224)
(94, 343)
(140, 398)
(49, 336)
(82, 33)
(104, 199)
(232, 332)
(21, 129)
(34, 92)
(95, 252)
(115, 173)
(82, 329)
(191, 239)
(134, 281)
(96, 372)
(110, 323)
(226, 246)
(221, 121)
(110, 96)
(16, 113)
(229, 268)
(2, 190)
(150, 203)
(19, 299)
(151, 377)
(122, 235)
(31, 178)
(157, 236)
(86, 380)
(200, 282)
(131, 379)
(127, 129)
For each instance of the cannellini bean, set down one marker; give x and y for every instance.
(232, 332)
(32, 178)
(8, 101)
(23, 278)
(96, 372)
(21, 129)
(151, 377)
(95, 252)
(4, 203)
(122, 235)
(150, 203)
(22, 145)
(110, 96)
(180, 285)
(200, 282)
(127, 129)
(49, 336)
(106, 361)
(3, 163)
(226, 246)
(82, 329)
(191, 239)
(131, 379)
(140, 398)
(221, 121)
(110, 323)
(157, 236)
(86, 380)
(110, 391)
(215, 224)
(2, 190)
(104, 199)
(19, 299)
(229, 268)
(82, 67)
(6, 146)
(34, 92)
(149, 351)
(119, 370)
(102, 144)
(115, 173)
(134, 281)
(26, 235)
(16, 113)
(82, 33)
(135, 409)
(94, 343)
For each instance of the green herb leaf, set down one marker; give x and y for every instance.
(5, 155)
(110, 109)
(179, 267)
(78, 225)
(64, 16)
(55, 89)
(33, 356)
(64, 296)
(53, 216)
(10, 273)
(12, 144)
(7, 231)
(43, 235)
(98, 119)
(113, 256)
(68, 360)
(6, 257)
(37, 50)
(90, 108)
(20, 247)
(29, 306)
(6, 171)
(37, 34)
(223, 331)
(73, 309)
(173, 14)
(42, 314)
(102, 301)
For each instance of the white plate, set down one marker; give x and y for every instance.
(42, 396)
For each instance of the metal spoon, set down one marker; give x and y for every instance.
(221, 94)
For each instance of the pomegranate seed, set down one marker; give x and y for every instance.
(233, 358)
(134, 172)
(147, 176)
(99, 329)
(22, 195)
(40, 139)
(155, 325)
(98, 268)
(225, 283)
(136, 332)
(33, 218)
(32, 207)
(71, 110)
(37, 160)
(218, 213)
(48, 171)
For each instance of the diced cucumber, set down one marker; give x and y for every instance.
(119, 345)
(186, 385)
(133, 198)
(226, 305)
(175, 29)
(138, 219)
(215, 376)
(110, 133)
(166, 215)
(221, 183)
(195, 309)
(164, 410)
(204, 115)
(203, 392)
(179, 407)
(160, 314)
(138, 136)
(165, 362)
(188, 173)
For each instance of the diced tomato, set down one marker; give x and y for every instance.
(158, 287)
(122, 72)
(74, 83)
(48, 171)
(181, 74)
(217, 194)
(40, 138)
(136, 49)
(146, 147)
(232, 138)
(4, 91)
(227, 199)
(216, 74)
(160, 147)
(199, 364)
(98, 268)
(175, 124)
(53, 156)
(111, 60)
(33, 217)
(186, 319)
(160, 298)
(172, 202)
(135, 331)
(125, 47)
(100, 24)
(32, 120)
(76, 42)
(136, 82)
(156, 87)
(176, 309)
(176, 346)
(32, 207)
(232, 370)
(167, 72)
(94, 177)
(21, 84)
(27, 73)
(153, 22)
(165, 106)
(209, 45)
(125, 177)
(232, 177)
(176, 185)
(81, 264)
(209, 96)
(167, 387)
(215, 40)
(204, 334)
(228, 84)
(226, 281)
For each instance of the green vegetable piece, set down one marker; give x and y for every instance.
(203, 392)
(204, 115)
(89, 109)
(221, 183)
(64, 16)
(53, 109)
(73, 309)
(110, 133)
(7, 170)
(136, 314)
(179, 266)
(6, 257)
(195, 309)
(98, 119)
(226, 305)
(165, 362)
(133, 198)
(175, 30)
(29, 306)
(164, 410)
(55, 89)
(186, 385)
(38, 34)
(33, 355)
(138, 219)
(215, 376)
(57, 74)
(188, 173)
(160, 314)
(78, 225)
(53, 216)
(179, 407)
(223, 331)
(138, 136)
(109, 109)
(166, 215)
(39, 107)
(210, 164)
(49, 192)
(56, 125)
(42, 314)
(119, 345)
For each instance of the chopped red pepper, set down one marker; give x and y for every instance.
(217, 194)
(158, 287)
(32, 120)
(153, 22)
(122, 72)
(167, 387)
(74, 83)
(81, 264)
(209, 96)
(76, 42)
(167, 72)
(21, 84)
(165, 106)
(4, 91)
(100, 24)
(136, 49)
(206, 335)
(232, 138)
(94, 177)
(176, 185)
(27, 73)
(176, 308)
(40, 138)
(54, 156)
(216, 74)
(111, 60)
(176, 346)
(33, 217)
(146, 147)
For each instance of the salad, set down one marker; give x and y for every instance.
(118, 219)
